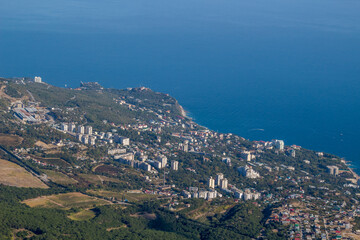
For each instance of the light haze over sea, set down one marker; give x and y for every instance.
(263, 69)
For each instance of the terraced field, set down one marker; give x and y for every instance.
(59, 178)
(66, 201)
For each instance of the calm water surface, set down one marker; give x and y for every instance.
(262, 69)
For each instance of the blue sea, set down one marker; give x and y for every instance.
(263, 69)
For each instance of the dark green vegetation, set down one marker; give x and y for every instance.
(118, 222)
(90, 106)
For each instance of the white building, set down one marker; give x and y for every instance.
(89, 130)
(157, 164)
(333, 170)
(279, 144)
(293, 153)
(174, 165)
(127, 156)
(92, 140)
(81, 129)
(248, 172)
(202, 194)
(116, 151)
(184, 146)
(186, 194)
(122, 140)
(37, 79)
(79, 137)
(227, 161)
(72, 127)
(256, 195)
(163, 160)
(219, 177)
(247, 156)
(239, 194)
(108, 135)
(250, 195)
(85, 139)
(64, 127)
(224, 183)
(211, 195)
(211, 182)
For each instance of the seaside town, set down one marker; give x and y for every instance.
(166, 155)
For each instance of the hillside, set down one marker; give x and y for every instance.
(128, 164)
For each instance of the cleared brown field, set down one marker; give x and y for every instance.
(12, 174)
(65, 201)
(107, 169)
(59, 178)
(10, 140)
(44, 145)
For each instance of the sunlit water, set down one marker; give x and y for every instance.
(262, 69)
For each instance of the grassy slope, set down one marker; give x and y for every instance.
(13, 175)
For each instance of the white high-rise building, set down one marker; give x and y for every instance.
(79, 137)
(81, 129)
(72, 127)
(64, 127)
(333, 170)
(224, 183)
(184, 146)
(247, 195)
(219, 176)
(85, 139)
(88, 130)
(163, 160)
(92, 140)
(174, 165)
(247, 156)
(211, 182)
(279, 144)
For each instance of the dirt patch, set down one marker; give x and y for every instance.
(116, 228)
(12, 174)
(10, 140)
(108, 169)
(83, 215)
(44, 145)
(66, 201)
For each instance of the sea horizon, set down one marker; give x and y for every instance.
(281, 70)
